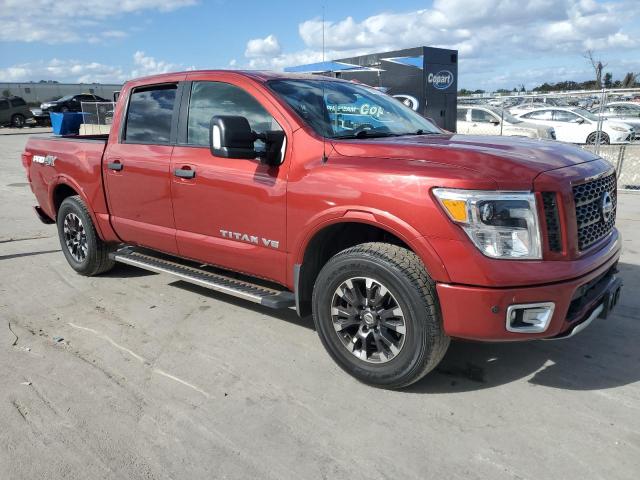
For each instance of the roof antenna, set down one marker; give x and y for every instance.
(323, 104)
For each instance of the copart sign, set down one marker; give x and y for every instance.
(441, 80)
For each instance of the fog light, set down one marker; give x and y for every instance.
(530, 317)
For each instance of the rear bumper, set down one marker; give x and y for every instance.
(479, 313)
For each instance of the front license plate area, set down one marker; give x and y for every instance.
(611, 297)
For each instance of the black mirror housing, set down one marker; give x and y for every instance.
(231, 137)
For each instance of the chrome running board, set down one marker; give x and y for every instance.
(263, 295)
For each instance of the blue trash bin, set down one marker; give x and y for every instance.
(66, 123)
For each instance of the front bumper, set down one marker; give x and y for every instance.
(479, 313)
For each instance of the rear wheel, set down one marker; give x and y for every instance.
(83, 248)
(592, 139)
(376, 312)
(17, 120)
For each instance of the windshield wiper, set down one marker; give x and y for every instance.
(366, 134)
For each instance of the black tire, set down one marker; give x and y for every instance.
(604, 138)
(93, 257)
(403, 275)
(17, 120)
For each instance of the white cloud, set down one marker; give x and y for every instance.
(146, 65)
(262, 47)
(75, 71)
(498, 32)
(63, 21)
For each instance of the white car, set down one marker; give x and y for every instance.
(487, 120)
(626, 112)
(529, 104)
(575, 125)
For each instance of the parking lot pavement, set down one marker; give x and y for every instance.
(24, 131)
(134, 375)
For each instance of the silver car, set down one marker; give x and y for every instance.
(487, 120)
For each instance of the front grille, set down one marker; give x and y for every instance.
(588, 198)
(551, 216)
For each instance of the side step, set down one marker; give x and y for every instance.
(266, 296)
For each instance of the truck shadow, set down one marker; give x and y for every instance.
(605, 355)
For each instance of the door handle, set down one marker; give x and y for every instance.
(184, 172)
(117, 166)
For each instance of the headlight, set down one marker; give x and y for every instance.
(500, 224)
(619, 129)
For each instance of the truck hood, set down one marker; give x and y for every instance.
(512, 162)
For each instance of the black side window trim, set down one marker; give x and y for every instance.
(177, 106)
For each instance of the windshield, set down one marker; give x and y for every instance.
(65, 98)
(586, 114)
(347, 110)
(502, 113)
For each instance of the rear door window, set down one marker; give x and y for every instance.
(462, 115)
(150, 114)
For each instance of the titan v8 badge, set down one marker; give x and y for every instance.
(243, 237)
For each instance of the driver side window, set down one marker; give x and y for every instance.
(218, 98)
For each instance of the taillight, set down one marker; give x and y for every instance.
(26, 159)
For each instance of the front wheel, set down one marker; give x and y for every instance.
(377, 314)
(592, 139)
(17, 120)
(83, 248)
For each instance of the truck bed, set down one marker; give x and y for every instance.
(74, 160)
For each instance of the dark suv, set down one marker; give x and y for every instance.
(70, 103)
(14, 111)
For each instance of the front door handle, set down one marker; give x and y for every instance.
(184, 172)
(117, 166)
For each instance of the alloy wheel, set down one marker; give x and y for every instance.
(75, 237)
(368, 320)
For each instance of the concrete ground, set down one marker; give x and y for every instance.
(132, 375)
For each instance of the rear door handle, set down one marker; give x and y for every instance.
(117, 166)
(184, 172)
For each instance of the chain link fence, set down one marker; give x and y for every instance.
(606, 122)
(98, 117)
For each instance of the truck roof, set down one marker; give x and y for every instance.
(259, 75)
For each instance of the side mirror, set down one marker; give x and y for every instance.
(231, 137)
(495, 121)
(580, 121)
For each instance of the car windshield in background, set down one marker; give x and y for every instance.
(586, 114)
(502, 113)
(347, 110)
(66, 98)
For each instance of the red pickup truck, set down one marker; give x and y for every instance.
(334, 198)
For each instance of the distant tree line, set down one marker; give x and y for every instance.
(630, 80)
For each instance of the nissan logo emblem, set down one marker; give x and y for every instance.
(607, 206)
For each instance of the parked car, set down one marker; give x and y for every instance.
(533, 103)
(626, 112)
(487, 120)
(575, 125)
(396, 237)
(69, 103)
(14, 112)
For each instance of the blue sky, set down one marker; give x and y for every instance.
(502, 43)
